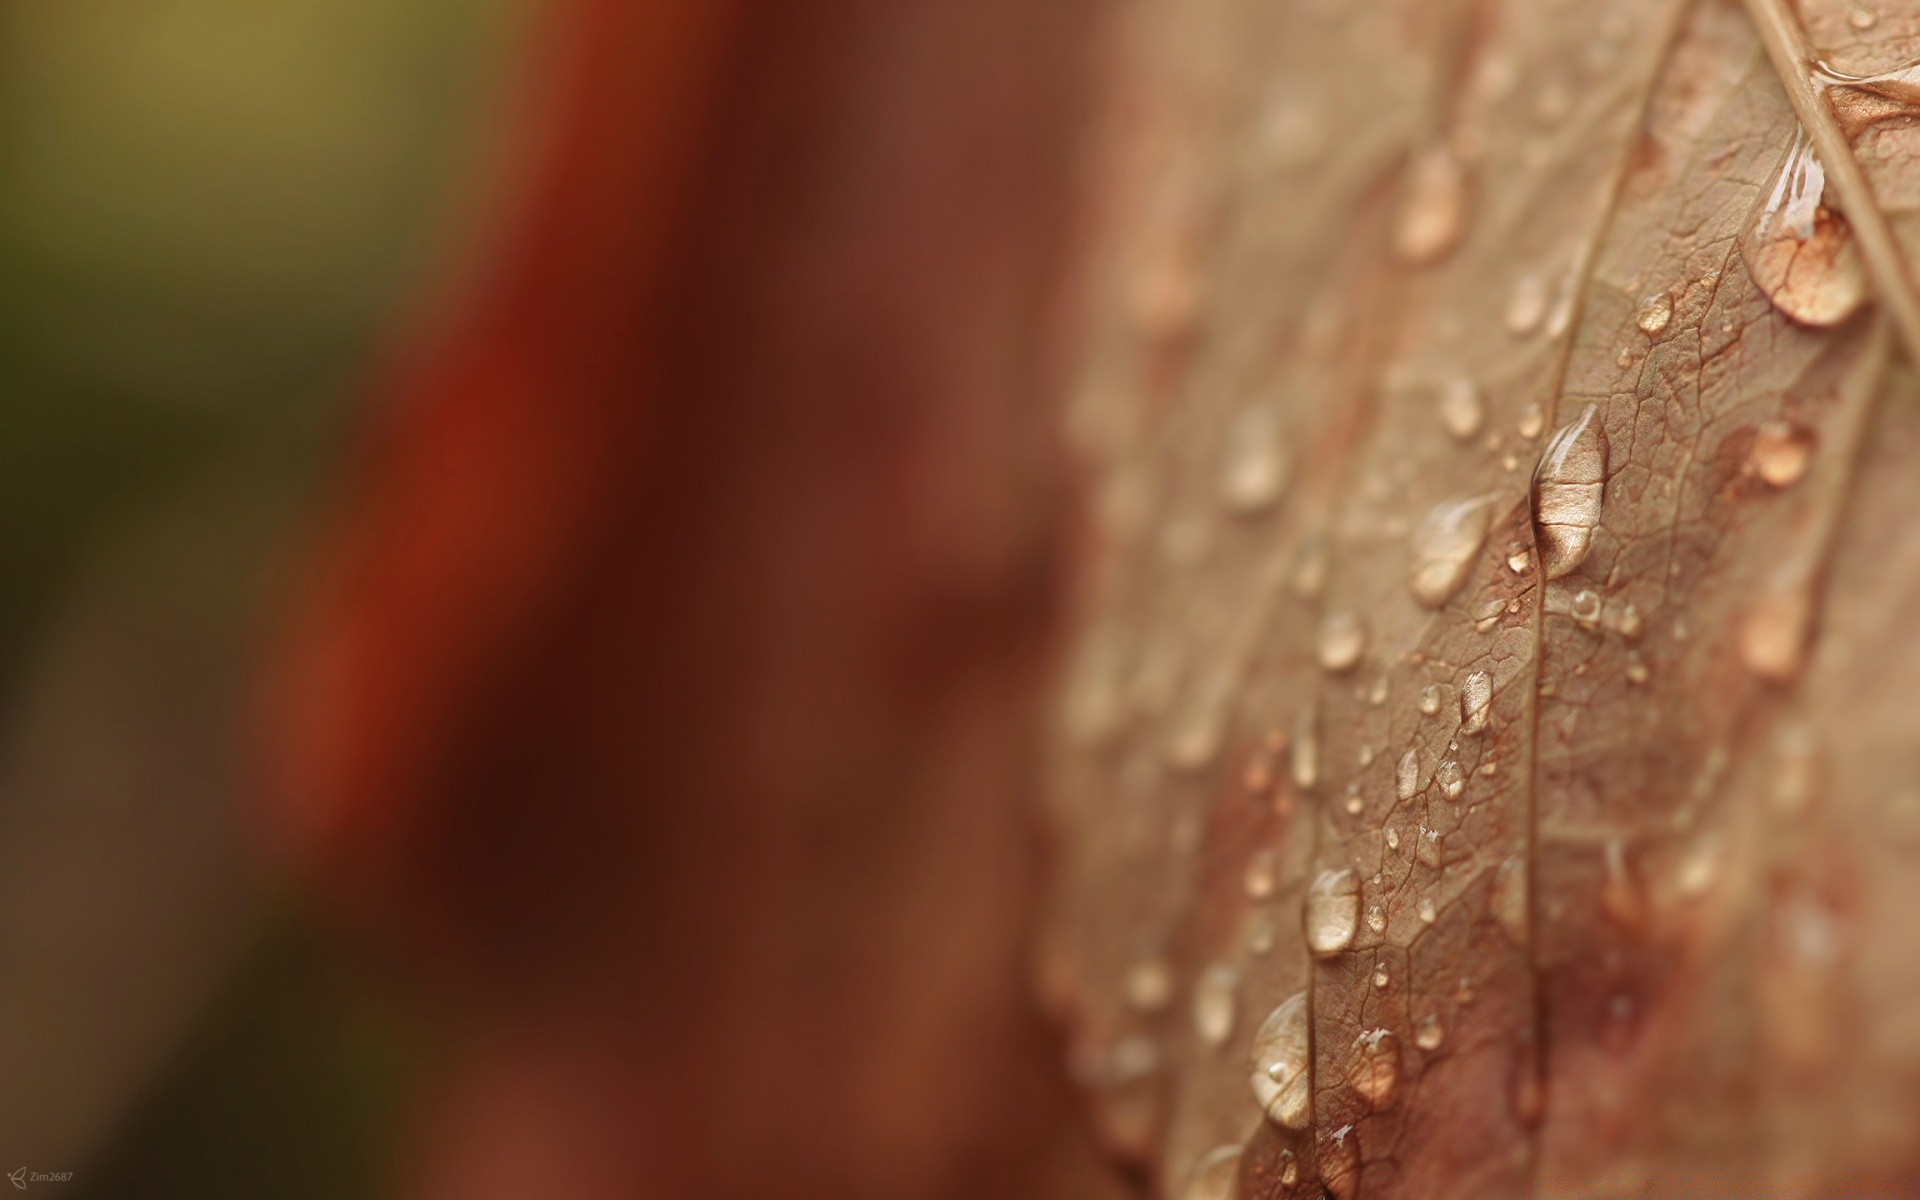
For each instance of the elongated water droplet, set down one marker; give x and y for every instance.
(1902, 84)
(1303, 752)
(1279, 1076)
(1375, 1071)
(1799, 251)
(1216, 996)
(1289, 1168)
(1376, 918)
(1343, 639)
(1215, 1176)
(1332, 912)
(1443, 548)
(1476, 702)
(1781, 453)
(1149, 985)
(1508, 900)
(1567, 487)
(1452, 779)
(1431, 697)
(1655, 311)
(1429, 1033)
(1433, 209)
(1527, 306)
(1406, 776)
(1254, 472)
(1461, 410)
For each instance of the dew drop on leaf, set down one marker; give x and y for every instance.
(1343, 639)
(1508, 900)
(1431, 697)
(1433, 208)
(1216, 997)
(1527, 304)
(1429, 912)
(1376, 918)
(1149, 985)
(1429, 1034)
(1532, 421)
(1476, 702)
(1461, 409)
(1279, 1075)
(1567, 487)
(1443, 547)
(1406, 776)
(1303, 751)
(1215, 1176)
(1655, 311)
(1799, 251)
(1262, 874)
(1381, 979)
(1375, 1070)
(1451, 778)
(1254, 471)
(1332, 912)
(1781, 453)
(1584, 606)
(1773, 636)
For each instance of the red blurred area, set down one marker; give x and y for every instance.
(661, 700)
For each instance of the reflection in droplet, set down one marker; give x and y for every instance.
(1443, 547)
(1655, 311)
(1279, 1076)
(1332, 912)
(1799, 251)
(1215, 1176)
(1254, 470)
(1781, 453)
(1375, 1070)
(1406, 776)
(1433, 209)
(1216, 997)
(1567, 488)
(1476, 702)
(1343, 639)
(1461, 410)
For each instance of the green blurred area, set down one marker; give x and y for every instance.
(211, 213)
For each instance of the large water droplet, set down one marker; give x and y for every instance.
(1216, 997)
(1215, 1176)
(1781, 453)
(1476, 702)
(1443, 547)
(1461, 410)
(1280, 1078)
(1567, 487)
(1433, 210)
(1375, 1070)
(1254, 471)
(1800, 252)
(1343, 639)
(1332, 912)
(1508, 900)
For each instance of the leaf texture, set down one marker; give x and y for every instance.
(1629, 923)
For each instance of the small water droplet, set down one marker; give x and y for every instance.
(1215, 1176)
(1309, 575)
(1532, 422)
(1216, 996)
(1427, 849)
(1636, 669)
(1773, 637)
(1452, 779)
(1376, 918)
(1429, 912)
(1519, 558)
(1406, 776)
(1476, 702)
(1149, 985)
(1279, 1075)
(1433, 209)
(1584, 606)
(1289, 1168)
(1508, 900)
(1254, 471)
(1567, 488)
(1781, 452)
(1343, 639)
(1620, 896)
(1377, 694)
(1262, 875)
(1630, 623)
(1443, 547)
(1364, 756)
(1303, 751)
(1698, 868)
(1431, 698)
(1375, 1071)
(1332, 912)
(1486, 614)
(1799, 251)
(1862, 18)
(1381, 979)
(1461, 410)
(1429, 1034)
(1527, 305)
(1354, 805)
(1655, 311)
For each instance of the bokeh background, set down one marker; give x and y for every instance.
(216, 214)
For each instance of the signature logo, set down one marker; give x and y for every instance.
(19, 1179)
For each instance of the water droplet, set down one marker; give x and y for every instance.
(1451, 778)
(1429, 1034)
(1508, 900)
(1620, 896)
(1461, 410)
(1427, 849)
(1263, 874)
(1781, 452)
(1149, 985)
(1215, 1176)
(1196, 735)
(1773, 637)
(1377, 694)
(1254, 472)
(1354, 805)
(1406, 777)
(1431, 697)
(1289, 1168)
(1655, 311)
(1584, 606)
(1486, 614)
(1862, 18)
(1216, 996)
(1364, 756)
(1303, 752)
(1636, 669)
(1375, 1071)
(1280, 1076)
(1343, 639)
(1519, 558)
(1476, 702)
(1376, 918)
(1433, 209)
(1381, 979)
(1532, 422)
(1309, 575)
(1527, 306)
(1698, 868)
(1567, 487)
(1332, 912)
(1799, 251)
(1443, 547)
(1630, 623)
(1429, 912)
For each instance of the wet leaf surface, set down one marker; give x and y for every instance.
(1587, 838)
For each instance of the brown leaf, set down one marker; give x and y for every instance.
(1587, 842)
